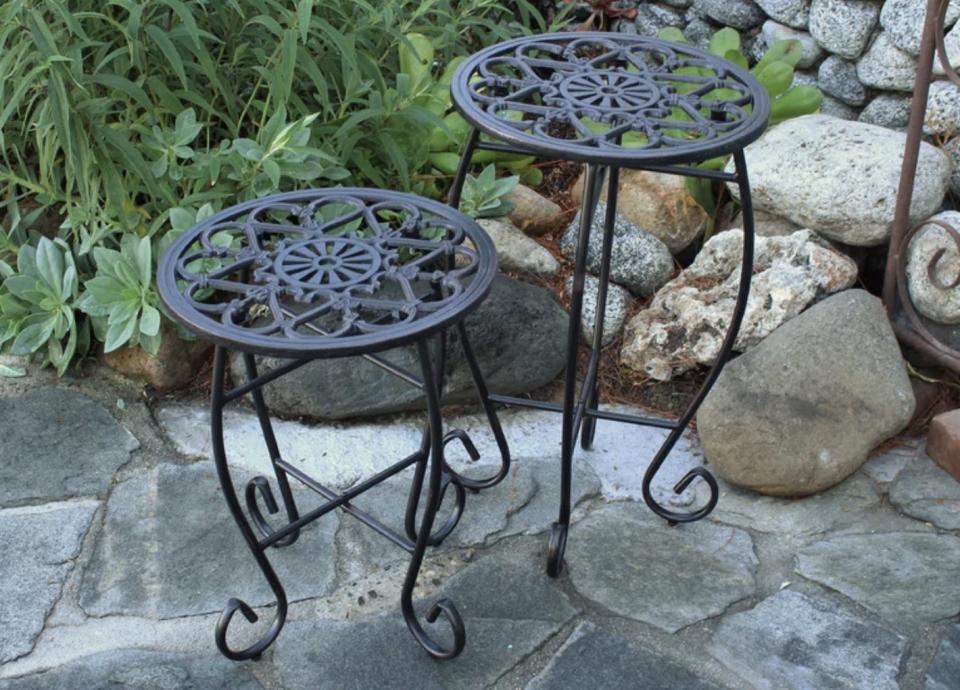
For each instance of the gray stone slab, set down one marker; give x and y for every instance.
(884, 467)
(907, 578)
(839, 507)
(792, 641)
(595, 658)
(926, 492)
(57, 444)
(39, 545)
(140, 670)
(509, 609)
(525, 502)
(169, 547)
(670, 577)
(944, 672)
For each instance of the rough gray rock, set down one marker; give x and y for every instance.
(926, 492)
(902, 20)
(689, 573)
(793, 641)
(936, 301)
(517, 252)
(593, 657)
(698, 32)
(817, 395)
(952, 147)
(810, 49)
(952, 44)
(378, 652)
(834, 107)
(169, 547)
(888, 110)
(688, 318)
(39, 545)
(884, 66)
(615, 313)
(136, 669)
(945, 669)
(740, 14)
(943, 109)
(838, 78)
(907, 578)
(795, 13)
(518, 334)
(765, 224)
(58, 443)
(843, 177)
(843, 26)
(640, 262)
(651, 19)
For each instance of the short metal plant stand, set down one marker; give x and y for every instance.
(613, 101)
(336, 273)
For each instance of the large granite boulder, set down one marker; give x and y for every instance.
(518, 334)
(902, 20)
(840, 178)
(800, 412)
(795, 13)
(688, 318)
(639, 261)
(939, 300)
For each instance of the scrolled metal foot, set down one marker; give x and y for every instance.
(556, 548)
(468, 482)
(672, 516)
(446, 608)
(256, 649)
(260, 485)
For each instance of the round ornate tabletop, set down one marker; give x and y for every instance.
(612, 99)
(326, 273)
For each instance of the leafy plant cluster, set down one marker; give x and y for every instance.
(123, 122)
(775, 72)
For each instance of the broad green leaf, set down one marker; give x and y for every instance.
(724, 41)
(416, 57)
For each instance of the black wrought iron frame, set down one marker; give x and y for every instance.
(581, 410)
(429, 462)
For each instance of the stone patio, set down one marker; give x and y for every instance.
(119, 555)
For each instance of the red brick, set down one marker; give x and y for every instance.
(943, 441)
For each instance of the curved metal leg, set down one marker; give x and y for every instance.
(259, 485)
(233, 502)
(456, 189)
(558, 536)
(609, 220)
(743, 293)
(443, 606)
(492, 419)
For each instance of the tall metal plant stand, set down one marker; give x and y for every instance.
(336, 273)
(613, 101)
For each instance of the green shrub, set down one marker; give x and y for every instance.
(122, 119)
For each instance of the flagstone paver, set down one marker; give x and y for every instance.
(944, 672)
(117, 560)
(56, 444)
(925, 491)
(668, 577)
(907, 578)
(39, 545)
(593, 657)
(169, 547)
(794, 641)
(140, 670)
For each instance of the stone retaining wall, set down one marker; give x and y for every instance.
(862, 54)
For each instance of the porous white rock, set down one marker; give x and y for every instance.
(688, 318)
